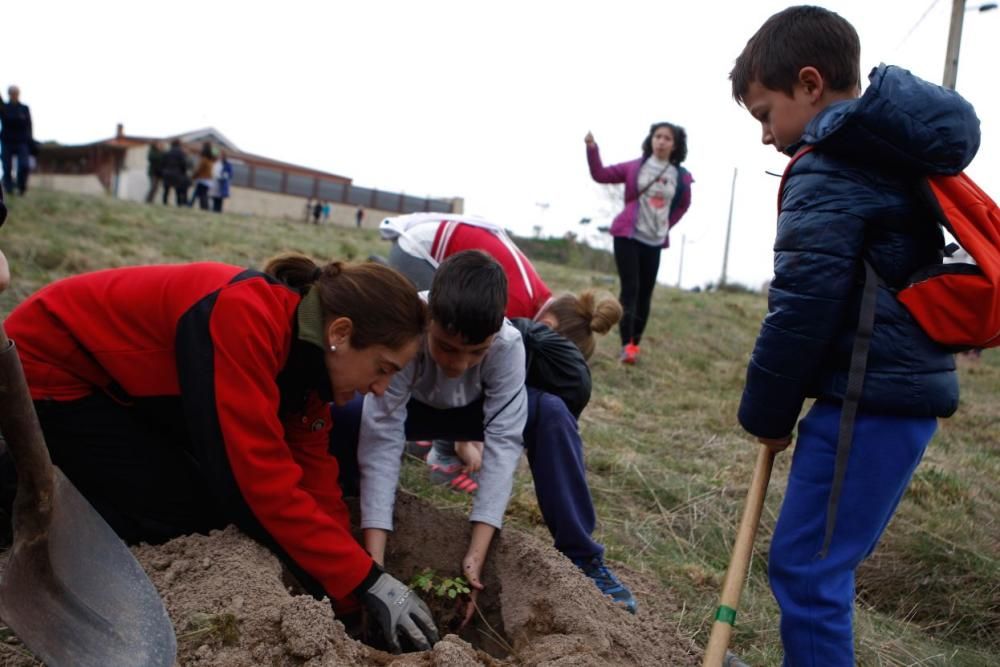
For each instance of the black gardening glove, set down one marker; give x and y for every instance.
(397, 610)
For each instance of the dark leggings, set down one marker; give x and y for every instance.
(638, 265)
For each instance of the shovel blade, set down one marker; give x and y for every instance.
(76, 595)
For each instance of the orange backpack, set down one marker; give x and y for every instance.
(958, 303)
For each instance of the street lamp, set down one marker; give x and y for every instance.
(958, 10)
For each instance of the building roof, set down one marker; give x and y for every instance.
(192, 142)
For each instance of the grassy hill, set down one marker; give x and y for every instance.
(668, 464)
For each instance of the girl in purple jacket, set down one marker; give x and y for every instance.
(657, 194)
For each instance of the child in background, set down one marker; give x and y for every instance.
(850, 198)
(657, 195)
(422, 240)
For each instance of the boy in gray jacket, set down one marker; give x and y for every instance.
(467, 379)
(467, 383)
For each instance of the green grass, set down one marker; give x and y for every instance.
(668, 464)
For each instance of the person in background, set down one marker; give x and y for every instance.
(359, 217)
(175, 173)
(848, 209)
(202, 177)
(420, 241)
(16, 141)
(326, 211)
(222, 174)
(657, 195)
(154, 159)
(317, 212)
(182, 398)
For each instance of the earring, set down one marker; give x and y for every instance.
(333, 348)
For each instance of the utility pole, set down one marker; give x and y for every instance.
(729, 228)
(680, 267)
(954, 43)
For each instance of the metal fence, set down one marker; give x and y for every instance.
(316, 187)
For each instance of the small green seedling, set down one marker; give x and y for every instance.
(443, 587)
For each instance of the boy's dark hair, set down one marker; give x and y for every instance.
(469, 295)
(679, 154)
(797, 37)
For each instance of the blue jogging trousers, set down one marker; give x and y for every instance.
(816, 596)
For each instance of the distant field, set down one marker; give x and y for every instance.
(668, 464)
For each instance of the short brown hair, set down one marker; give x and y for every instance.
(469, 295)
(580, 317)
(380, 302)
(797, 37)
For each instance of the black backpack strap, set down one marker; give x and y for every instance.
(849, 409)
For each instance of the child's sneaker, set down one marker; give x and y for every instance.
(418, 448)
(630, 354)
(447, 471)
(606, 582)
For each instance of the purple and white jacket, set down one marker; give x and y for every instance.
(628, 173)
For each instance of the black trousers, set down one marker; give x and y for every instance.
(134, 462)
(180, 193)
(200, 195)
(130, 462)
(638, 264)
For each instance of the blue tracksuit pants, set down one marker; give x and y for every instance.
(555, 455)
(816, 596)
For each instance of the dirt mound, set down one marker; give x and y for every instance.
(232, 605)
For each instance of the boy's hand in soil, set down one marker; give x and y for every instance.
(470, 452)
(472, 565)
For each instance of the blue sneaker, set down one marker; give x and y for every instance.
(606, 582)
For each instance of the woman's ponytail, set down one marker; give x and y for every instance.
(295, 269)
(580, 317)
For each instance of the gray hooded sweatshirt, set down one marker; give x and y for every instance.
(499, 379)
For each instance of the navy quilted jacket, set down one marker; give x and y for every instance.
(853, 197)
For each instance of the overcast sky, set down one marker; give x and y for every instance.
(486, 101)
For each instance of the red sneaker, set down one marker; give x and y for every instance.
(630, 354)
(418, 448)
(453, 477)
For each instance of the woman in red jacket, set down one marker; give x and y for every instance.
(183, 398)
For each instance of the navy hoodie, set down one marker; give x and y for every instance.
(854, 196)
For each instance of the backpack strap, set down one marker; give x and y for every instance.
(849, 408)
(855, 378)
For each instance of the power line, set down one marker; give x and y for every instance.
(916, 25)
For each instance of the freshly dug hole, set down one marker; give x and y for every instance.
(230, 608)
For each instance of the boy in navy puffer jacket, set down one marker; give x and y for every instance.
(851, 198)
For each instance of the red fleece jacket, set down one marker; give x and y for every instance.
(123, 326)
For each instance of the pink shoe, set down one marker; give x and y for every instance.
(630, 354)
(418, 448)
(454, 477)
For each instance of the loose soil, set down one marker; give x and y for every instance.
(233, 605)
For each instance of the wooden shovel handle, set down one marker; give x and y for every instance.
(739, 562)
